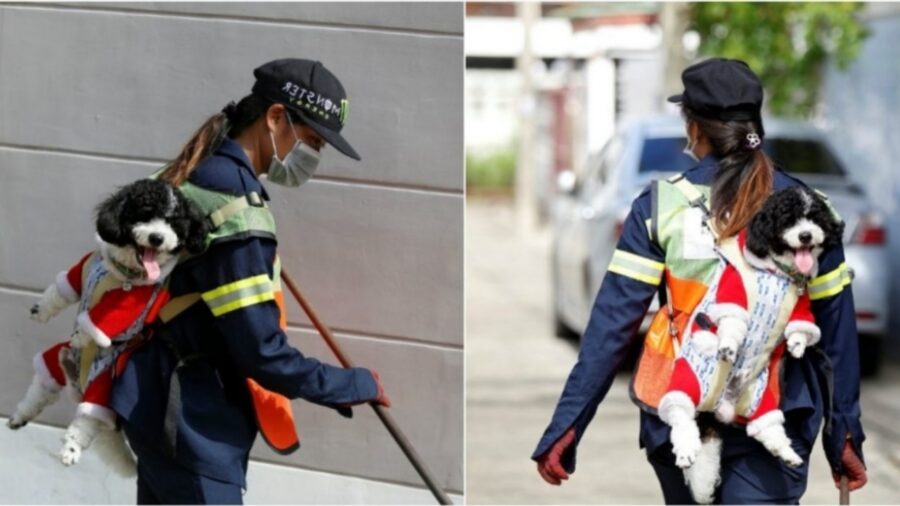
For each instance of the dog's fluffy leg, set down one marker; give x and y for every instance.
(796, 343)
(78, 437)
(731, 334)
(55, 298)
(703, 477)
(40, 394)
(769, 430)
(677, 410)
(114, 451)
(801, 334)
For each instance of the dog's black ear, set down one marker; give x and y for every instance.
(109, 218)
(760, 232)
(198, 226)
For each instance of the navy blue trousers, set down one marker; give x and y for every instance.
(750, 474)
(161, 480)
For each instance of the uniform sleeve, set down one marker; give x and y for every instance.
(633, 277)
(235, 283)
(831, 300)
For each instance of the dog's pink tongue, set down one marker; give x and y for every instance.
(803, 259)
(151, 266)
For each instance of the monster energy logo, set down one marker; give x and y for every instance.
(345, 110)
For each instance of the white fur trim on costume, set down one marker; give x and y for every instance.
(718, 311)
(703, 476)
(97, 412)
(806, 327)
(88, 327)
(675, 402)
(65, 289)
(774, 417)
(705, 342)
(42, 372)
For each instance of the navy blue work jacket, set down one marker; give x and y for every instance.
(217, 425)
(823, 384)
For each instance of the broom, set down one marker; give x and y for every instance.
(383, 415)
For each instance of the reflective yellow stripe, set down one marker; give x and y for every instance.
(237, 285)
(239, 294)
(634, 275)
(830, 284)
(631, 257)
(636, 267)
(244, 302)
(828, 277)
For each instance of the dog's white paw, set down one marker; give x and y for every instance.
(40, 313)
(70, 453)
(790, 457)
(16, 422)
(728, 349)
(796, 344)
(686, 444)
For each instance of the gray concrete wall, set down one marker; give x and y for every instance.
(95, 95)
(861, 109)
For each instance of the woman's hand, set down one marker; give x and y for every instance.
(382, 399)
(854, 469)
(549, 465)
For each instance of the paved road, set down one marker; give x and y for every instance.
(516, 370)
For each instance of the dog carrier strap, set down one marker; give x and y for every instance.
(695, 198)
(222, 214)
(177, 305)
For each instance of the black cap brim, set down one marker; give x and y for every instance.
(676, 99)
(330, 136)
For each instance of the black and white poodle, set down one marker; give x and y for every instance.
(729, 348)
(142, 229)
(792, 229)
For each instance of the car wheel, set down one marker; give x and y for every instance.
(869, 355)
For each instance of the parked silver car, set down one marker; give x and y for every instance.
(590, 209)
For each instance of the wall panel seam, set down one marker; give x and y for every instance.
(239, 19)
(156, 162)
(338, 331)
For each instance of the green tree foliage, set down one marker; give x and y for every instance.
(786, 44)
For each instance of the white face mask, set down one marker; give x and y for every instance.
(689, 149)
(298, 165)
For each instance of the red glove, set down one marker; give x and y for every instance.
(548, 464)
(382, 398)
(854, 469)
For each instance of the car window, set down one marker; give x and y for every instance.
(664, 154)
(800, 156)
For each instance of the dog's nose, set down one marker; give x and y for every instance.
(155, 239)
(806, 237)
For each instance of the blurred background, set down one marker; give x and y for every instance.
(566, 122)
(95, 95)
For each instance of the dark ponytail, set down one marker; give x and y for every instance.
(231, 121)
(744, 178)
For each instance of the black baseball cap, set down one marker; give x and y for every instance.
(721, 89)
(312, 91)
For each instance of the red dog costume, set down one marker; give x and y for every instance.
(111, 311)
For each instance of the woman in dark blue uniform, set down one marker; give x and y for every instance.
(721, 105)
(192, 428)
